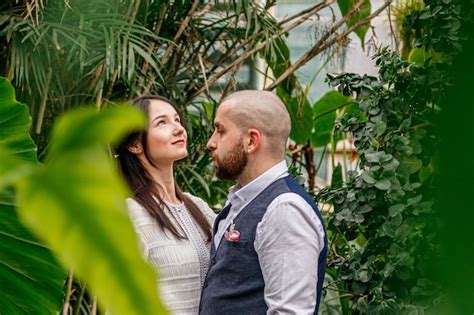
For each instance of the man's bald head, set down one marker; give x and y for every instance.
(261, 110)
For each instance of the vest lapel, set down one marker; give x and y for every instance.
(221, 216)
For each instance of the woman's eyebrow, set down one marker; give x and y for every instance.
(157, 117)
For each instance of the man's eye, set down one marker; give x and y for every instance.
(178, 120)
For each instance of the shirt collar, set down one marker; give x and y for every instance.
(240, 196)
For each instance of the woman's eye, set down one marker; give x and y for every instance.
(160, 122)
(178, 120)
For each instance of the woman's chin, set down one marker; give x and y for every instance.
(182, 156)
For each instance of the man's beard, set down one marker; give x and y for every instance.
(232, 164)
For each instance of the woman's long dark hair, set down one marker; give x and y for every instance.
(141, 183)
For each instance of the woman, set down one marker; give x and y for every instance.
(174, 228)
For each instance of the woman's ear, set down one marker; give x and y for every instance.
(135, 148)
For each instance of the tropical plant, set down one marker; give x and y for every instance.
(63, 54)
(384, 230)
(75, 203)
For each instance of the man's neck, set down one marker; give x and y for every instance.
(255, 169)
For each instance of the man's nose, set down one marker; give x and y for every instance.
(211, 145)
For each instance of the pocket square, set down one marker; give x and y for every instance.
(233, 235)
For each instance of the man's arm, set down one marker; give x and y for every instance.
(288, 242)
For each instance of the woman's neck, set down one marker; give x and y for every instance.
(164, 179)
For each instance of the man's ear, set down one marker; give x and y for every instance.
(136, 147)
(253, 140)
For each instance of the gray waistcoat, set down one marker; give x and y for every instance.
(234, 282)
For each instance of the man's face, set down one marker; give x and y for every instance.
(226, 146)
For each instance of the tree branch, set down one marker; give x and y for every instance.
(248, 53)
(316, 48)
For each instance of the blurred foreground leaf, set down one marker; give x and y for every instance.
(75, 203)
(31, 281)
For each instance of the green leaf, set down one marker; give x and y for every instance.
(337, 176)
(28, 271)
(363, 275)
(418, 56)
(81, 198)
(383, 184)
(425, 172)
(389, 229)
(324, 116)
(413, 164)
(367, 178)
(15, 123)
(346, 5)
(396, 209)
(85, 128)
(301, 119)
(373, 157)
(414, 200)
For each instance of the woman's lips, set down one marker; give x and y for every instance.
(178, 142)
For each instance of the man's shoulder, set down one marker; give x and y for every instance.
(291, 198)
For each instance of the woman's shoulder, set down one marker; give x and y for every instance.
(201, 205)
(136, 211)
(132, 203)
(197, 200)
(134, 206)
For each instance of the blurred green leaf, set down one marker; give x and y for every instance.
(86, 128)
(413, 164)
(396, 209)
(80, 195)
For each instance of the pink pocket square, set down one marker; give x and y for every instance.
(233, 235)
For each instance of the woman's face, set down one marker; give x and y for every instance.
(167, 138)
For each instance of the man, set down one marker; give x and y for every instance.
(269, 244)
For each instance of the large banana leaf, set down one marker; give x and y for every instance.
(325, 115)
(31, 281)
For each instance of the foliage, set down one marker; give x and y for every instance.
(455, 203)
(75, 203)
(63, 54)
(382, 228)
(364, 11)
(384, 245)
(28, 269)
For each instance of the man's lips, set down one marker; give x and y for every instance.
(214, 158)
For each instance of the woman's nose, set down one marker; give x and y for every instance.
(179, 129)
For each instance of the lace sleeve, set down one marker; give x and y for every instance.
(141, 221)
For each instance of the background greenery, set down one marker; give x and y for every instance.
(385, 224)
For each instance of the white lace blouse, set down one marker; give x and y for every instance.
(181, 264)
